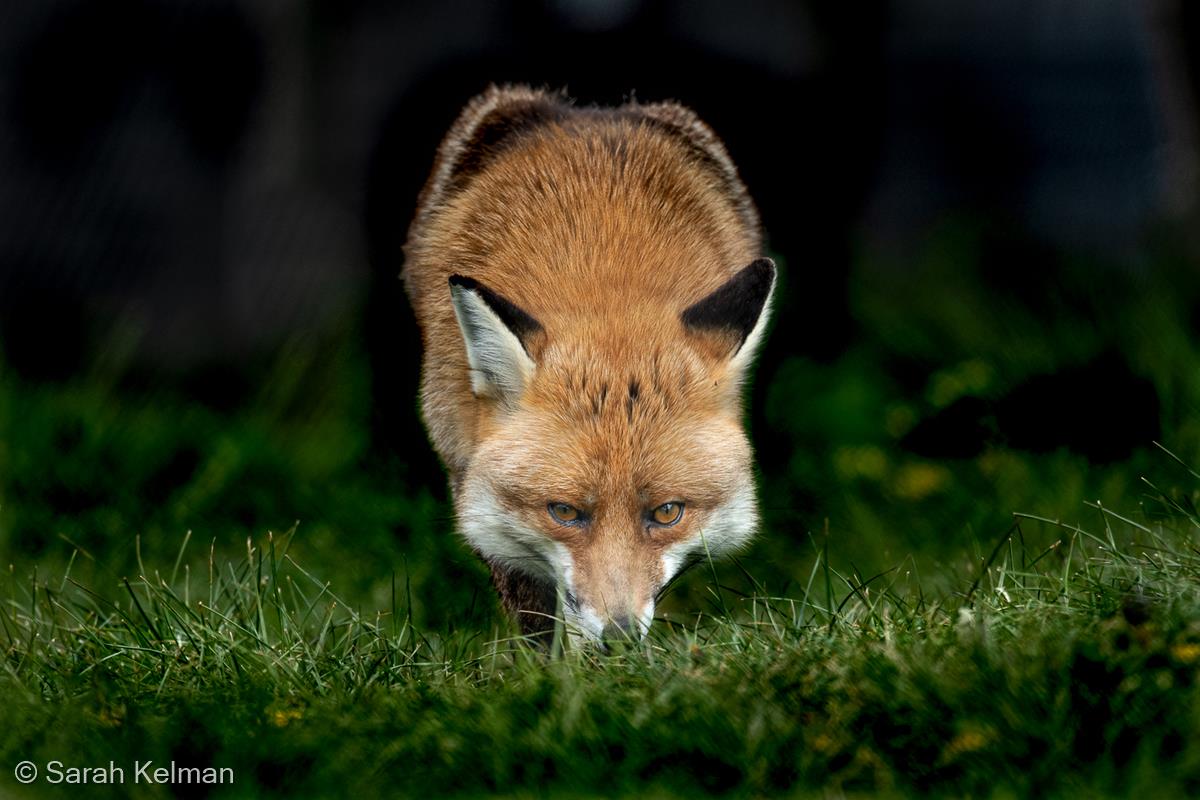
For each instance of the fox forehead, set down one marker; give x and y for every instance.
(599, 375)
(588, 431)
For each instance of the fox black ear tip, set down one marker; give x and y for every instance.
(463, 281)
(760, 271)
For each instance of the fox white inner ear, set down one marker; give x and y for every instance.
(494, 331)
(737, 312)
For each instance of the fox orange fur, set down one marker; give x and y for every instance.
(590, 291)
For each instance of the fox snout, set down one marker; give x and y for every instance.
(585, 622)
(610, 577)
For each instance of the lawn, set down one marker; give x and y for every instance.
(977, 576)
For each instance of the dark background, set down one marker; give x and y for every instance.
(194, 193)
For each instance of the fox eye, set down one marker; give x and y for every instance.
(565, 514)
(667, 514)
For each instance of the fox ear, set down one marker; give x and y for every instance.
(495, 332)
(734, 317)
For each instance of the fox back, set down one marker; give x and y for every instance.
(590, 291)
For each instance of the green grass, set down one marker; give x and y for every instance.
(1009, 622)
(1069, 670)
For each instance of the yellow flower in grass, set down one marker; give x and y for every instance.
(969, 740)
(110, 717)
(1187, 653)
(282, 717)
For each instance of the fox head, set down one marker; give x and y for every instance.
(609, 458)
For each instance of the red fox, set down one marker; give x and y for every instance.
(590, 291)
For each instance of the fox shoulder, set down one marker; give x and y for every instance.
(500, 116)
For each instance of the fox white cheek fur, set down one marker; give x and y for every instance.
(500, 537)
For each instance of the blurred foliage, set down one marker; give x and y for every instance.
(120, 472)
(966, 398)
